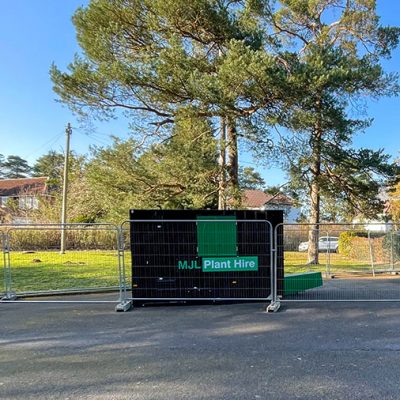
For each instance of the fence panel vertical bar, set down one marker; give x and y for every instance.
(275, 299)
(124, 303)
(8, 287)
(4, 274)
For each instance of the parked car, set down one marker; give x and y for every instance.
(325, 244)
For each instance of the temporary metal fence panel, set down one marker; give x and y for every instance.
(91, 263)
(354, 262)
(200, 259)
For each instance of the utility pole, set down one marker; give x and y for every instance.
(68, 132)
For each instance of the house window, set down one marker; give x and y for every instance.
(28, 203)
(3, 201)
(22, 202)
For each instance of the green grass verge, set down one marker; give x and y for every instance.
(296, 262)
(73, 270)
(94, 269)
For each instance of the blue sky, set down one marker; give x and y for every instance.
(33, 34)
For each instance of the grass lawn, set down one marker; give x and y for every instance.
(296, 262)
(49, 270)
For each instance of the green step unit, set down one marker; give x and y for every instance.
(295, 283)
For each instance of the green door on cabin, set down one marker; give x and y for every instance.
(216, 238)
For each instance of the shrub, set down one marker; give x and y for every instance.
(392, 240)
(49, 239)
(346, 242)
(358, 245)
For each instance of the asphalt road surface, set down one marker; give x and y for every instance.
(231, 351)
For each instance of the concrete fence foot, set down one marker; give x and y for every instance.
(9, 296)
(124, 306)
(273, 306)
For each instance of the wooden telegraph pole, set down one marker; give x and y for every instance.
(68, 132)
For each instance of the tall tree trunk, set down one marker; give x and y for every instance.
(222, 166)
(233, 164)
(313, 233)
(315, 196)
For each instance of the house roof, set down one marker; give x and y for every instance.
(23, 186)
(258, 199)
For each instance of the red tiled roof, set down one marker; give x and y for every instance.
(281, 199)
(23, 186)
(257, 199)
(254, 198)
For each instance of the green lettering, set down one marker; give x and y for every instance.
(182, 265)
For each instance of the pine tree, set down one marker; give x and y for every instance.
(178, 173)
(249, 178)
(50, 165)
(16, 167)
(152, 58)
(337, 62)
(2, 159)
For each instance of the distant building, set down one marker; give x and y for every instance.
(382, 223)
(17, 196)
(258, 200)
